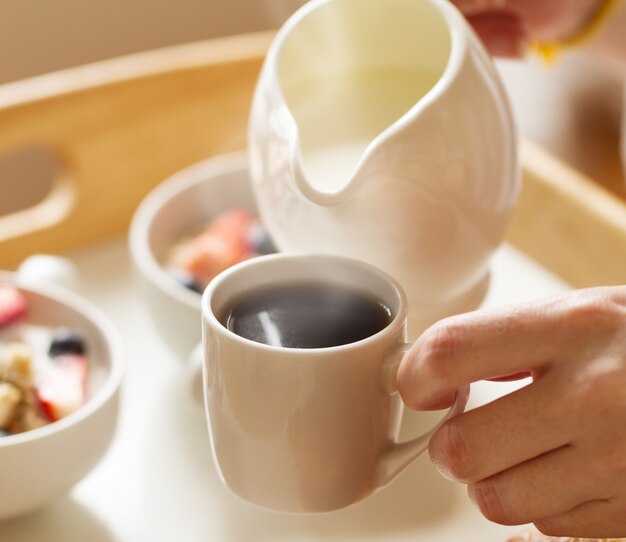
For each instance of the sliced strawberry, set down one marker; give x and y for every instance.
(233, 226)
(224, 243)
(13, 305)
(206, 256)
(62, 390)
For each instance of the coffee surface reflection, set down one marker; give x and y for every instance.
(306, 315)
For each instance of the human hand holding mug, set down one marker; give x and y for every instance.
(307, 419)
(551, 453)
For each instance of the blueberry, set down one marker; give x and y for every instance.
(66, 341)
(189, 282)
(260, 241)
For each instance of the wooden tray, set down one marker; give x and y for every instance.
(120, 127)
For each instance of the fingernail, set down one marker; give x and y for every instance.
(443, 440)
(471, 493)
(442, 469)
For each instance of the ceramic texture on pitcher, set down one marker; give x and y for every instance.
(431, 196)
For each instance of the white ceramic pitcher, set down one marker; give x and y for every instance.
(380, 130)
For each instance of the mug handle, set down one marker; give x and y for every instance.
(399, 455)
(194, 375)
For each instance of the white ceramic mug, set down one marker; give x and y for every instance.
(306, 430)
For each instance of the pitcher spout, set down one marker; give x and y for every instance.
(346, 83)
(327, 176)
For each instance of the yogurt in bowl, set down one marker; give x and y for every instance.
(60, 415)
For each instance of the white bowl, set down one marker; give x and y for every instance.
(182, 204)
(39, 465)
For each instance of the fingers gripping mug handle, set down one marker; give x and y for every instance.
(400, 455)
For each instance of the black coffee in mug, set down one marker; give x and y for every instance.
(306, 315)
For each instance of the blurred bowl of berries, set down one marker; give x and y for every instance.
(61, 366)
(191, 227)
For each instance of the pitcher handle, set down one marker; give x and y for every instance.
(399, 455)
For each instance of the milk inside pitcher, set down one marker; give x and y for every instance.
(356, 83)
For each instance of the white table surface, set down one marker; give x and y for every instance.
(157, 482)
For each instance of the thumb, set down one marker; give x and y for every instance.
(501, 32)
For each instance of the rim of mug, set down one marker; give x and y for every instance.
(399, 317)
(139, 233)
(116, 359)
